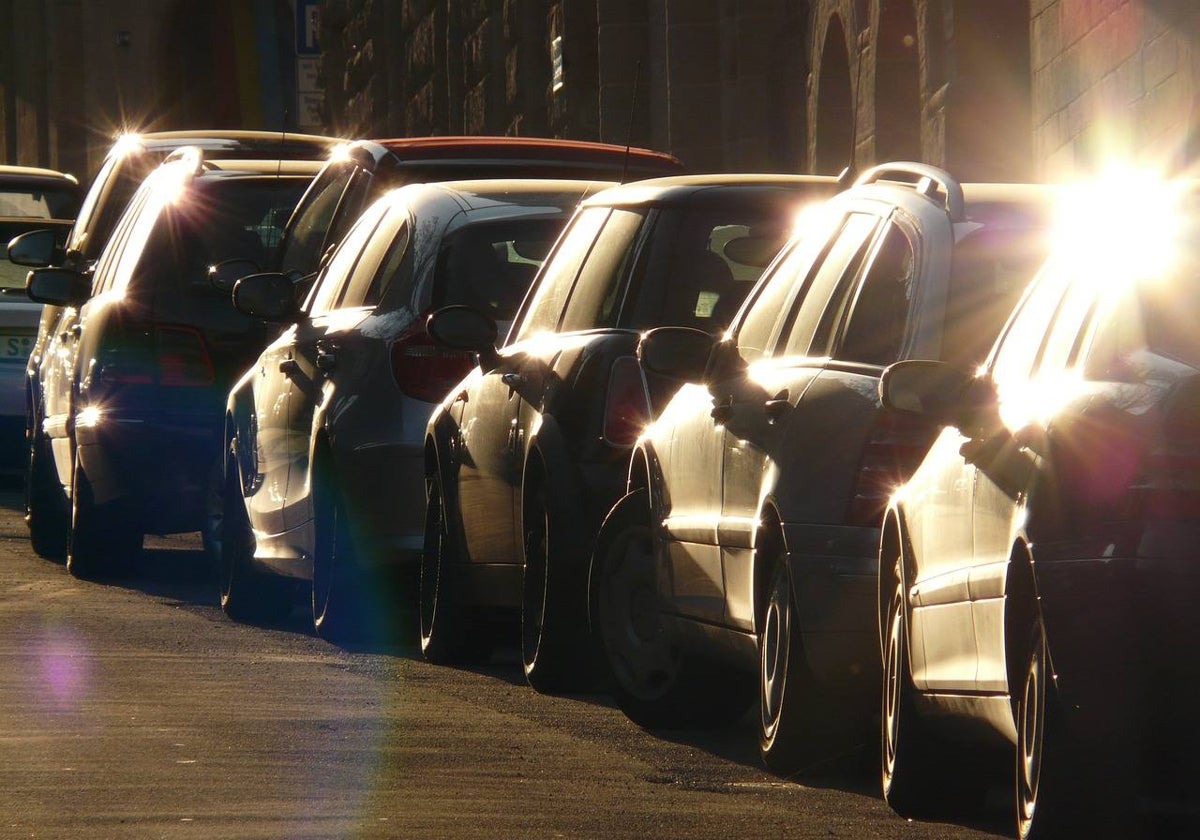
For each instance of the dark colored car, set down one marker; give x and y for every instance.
(524, 456)
(134, 393)
(131, 158)
(360, 172)
(331, 490)
(1038, 575)
(744, 555)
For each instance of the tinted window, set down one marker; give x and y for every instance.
(124, 178)
(38, 203)
(594, 301)
(554, 286)
(879, 314)
(1022, 342)
(991, 268)
(302, 248)
(212, 221)
(690, 275)
(336, 275)
(490, 266)
(819, 308)
(370, 276)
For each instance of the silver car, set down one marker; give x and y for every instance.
(324, 474)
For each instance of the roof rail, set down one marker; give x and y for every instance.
(926, 179)
(192, 156)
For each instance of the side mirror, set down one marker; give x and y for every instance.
(34, 249)
(270, 296)
(677, 352)
(463, 328)
(58, 286)
(224, 275)
(935, 391)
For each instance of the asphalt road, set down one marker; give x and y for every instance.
(135, 709)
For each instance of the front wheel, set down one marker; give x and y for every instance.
(554, 645)
(656, 683)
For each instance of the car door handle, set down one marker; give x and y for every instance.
(722, 411)
(513, 380)
(288, 366)
(326, 360)
(777, 406)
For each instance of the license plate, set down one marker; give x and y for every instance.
(15, 348)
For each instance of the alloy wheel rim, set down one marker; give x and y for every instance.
(1029, 756)
(892, 666)
(775, 643)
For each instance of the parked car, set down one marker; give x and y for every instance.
(1037, 576)
(130, 159)
(743, 555)
(358, 173)
(134, 392)
(30, 199)
(324, 471)
(527, 453)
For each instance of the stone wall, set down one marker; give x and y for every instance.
(1115, 79)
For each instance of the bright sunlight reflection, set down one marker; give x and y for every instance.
(1121, 227)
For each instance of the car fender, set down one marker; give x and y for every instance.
(547, 450)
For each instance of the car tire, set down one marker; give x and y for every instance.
(101, 540)
(449, 636)
(554, 642)
(654, 681)
(47, 509)
(214, 513)
(338, 611)
(246, 594)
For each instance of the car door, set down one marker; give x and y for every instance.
(489, 445)
(766, 418)
(1032, 373)
(308, 358)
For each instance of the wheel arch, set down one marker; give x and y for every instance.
(770, 547)
(1021, 608)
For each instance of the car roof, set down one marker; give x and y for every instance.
(229, 144)
(35, 175)
(495, 150)
(684, 187)
(485, 193)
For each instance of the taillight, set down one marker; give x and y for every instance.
(895, 449)
(626, 403)
(422, 369)
(169, 356)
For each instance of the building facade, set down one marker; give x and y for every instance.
(990, 89)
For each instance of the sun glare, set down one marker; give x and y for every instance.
(1121, 227)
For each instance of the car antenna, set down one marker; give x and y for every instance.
(637, 78)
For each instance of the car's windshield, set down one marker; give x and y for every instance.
(38, 203)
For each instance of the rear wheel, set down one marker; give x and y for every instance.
(554, 645)
(448, 636)
(47, 509)
(102, 540)
(246, 593)
(795, 719)
(650, 675)
(337, 593)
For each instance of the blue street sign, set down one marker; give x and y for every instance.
(308, 25)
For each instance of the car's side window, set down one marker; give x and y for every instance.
(769, 306)
(391, 264)
(1023, 338)
(329, 286)
(390, 237)
(593, 298)
(874, 331)
(558, 275)
(1075, 313)
(102, 279)
(300, 250)
(820, 308)
(145, 218)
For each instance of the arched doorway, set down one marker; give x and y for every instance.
(897, 83)
(835, 103)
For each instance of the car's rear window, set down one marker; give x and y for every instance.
(220, 220)
(992, 267)
(490, 266)
(25, 202)
(702, 262)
